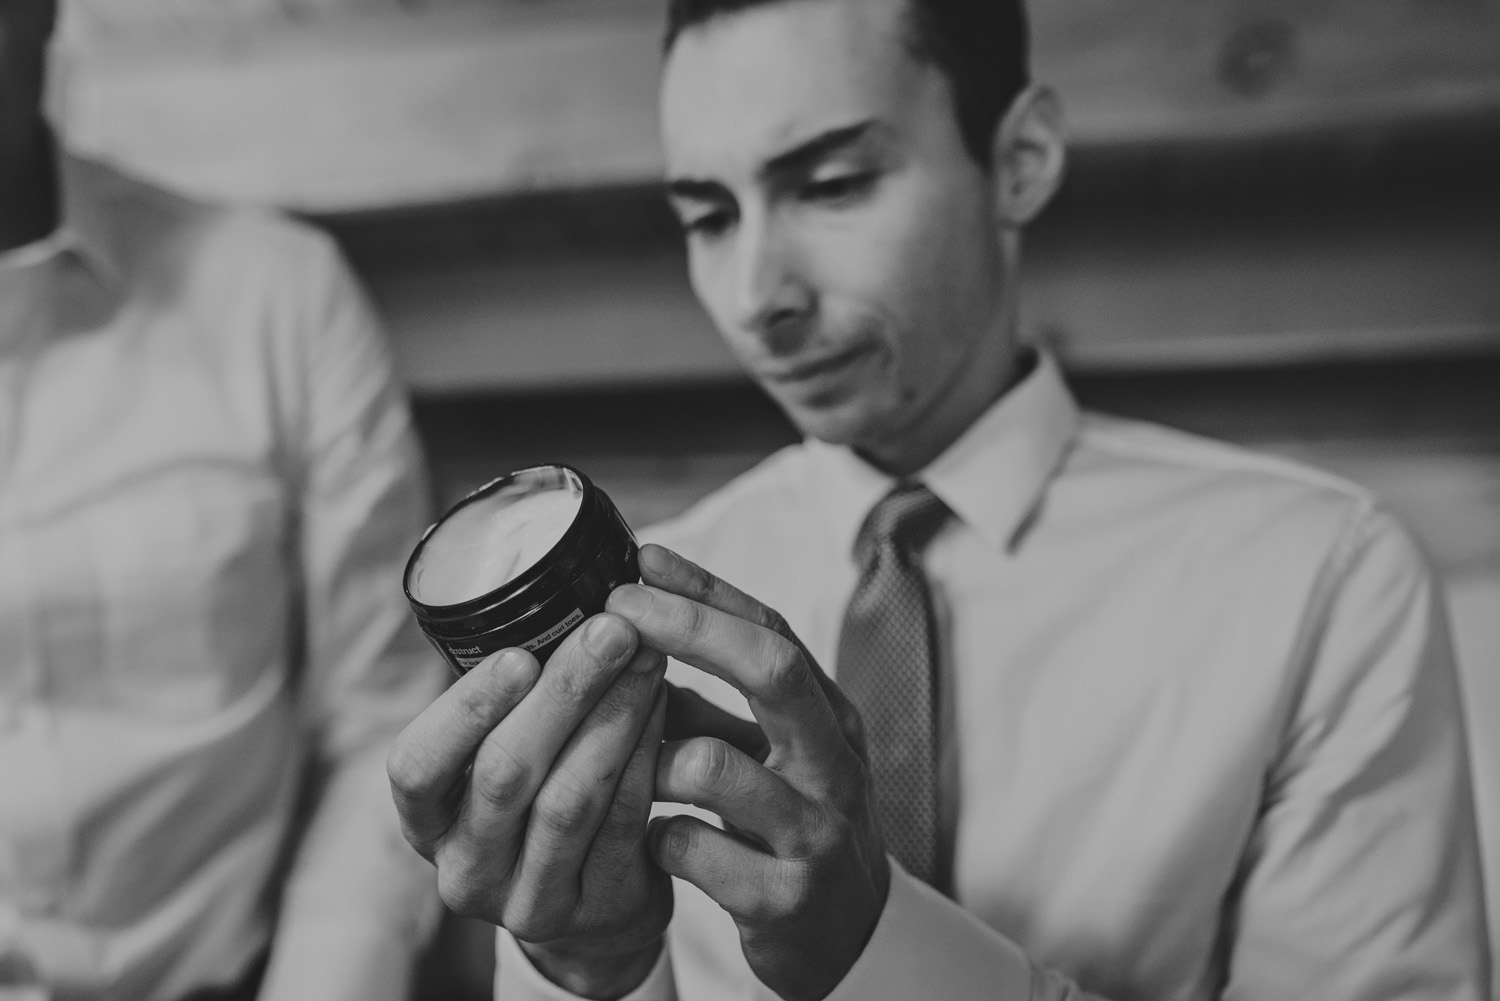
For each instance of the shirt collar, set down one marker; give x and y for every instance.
(85, 228)
(83, 233)
(992, 477)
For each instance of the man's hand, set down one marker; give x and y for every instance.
(545, 834)
(801, 869)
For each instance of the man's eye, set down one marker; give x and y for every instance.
(842, 188)
(709, 224)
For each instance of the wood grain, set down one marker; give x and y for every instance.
(391, 108)
(1140, 291)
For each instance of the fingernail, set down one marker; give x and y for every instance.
(515, 669)
(658, 560)
(631, 601)
(607, 637)
(646, 661)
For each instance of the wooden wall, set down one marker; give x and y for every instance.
(1281, 227)
(347, 104)
(1254, 180)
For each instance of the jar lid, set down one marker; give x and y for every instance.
(496, 538)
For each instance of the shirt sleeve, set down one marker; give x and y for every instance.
(1361, 880)
(927, 946)
(516, 979)
(358, 903)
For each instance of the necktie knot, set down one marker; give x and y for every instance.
(904, 520)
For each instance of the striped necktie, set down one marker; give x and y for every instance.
(887, 665)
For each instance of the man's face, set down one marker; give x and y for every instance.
(25, 26)
(839, 234)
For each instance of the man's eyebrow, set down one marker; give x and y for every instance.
(799, 157)
(810, 151)
(695, 190)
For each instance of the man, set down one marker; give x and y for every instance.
(1137, 715)
(208, 485)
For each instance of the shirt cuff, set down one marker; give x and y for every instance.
(925, 945)
(339, 961)
(516, 979)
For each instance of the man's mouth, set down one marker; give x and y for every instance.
(816, 367)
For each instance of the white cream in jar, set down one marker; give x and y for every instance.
(487, 544)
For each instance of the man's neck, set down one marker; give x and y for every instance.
(955, 411)
(28, 190)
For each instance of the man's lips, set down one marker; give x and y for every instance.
(805, 369)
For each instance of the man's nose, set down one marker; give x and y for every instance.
(770, 287)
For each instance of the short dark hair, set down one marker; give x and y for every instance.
(981, 46)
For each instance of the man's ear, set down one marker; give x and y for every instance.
(1029, 155)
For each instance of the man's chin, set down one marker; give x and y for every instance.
(833, 425)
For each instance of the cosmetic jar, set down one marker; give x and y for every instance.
(519, 562)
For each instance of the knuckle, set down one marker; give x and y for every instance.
(562, 809)
(403, 769)
(786, 893)
(534, 915)
(422, 843)
(622, 825)
(475, 715)
(708, 763)
(827, 836)
(700, 583)
(627, 701)
(500, 778)
(773, 620)
(678, 841)
(526, 925)
(691, 620)
(784, 667)
(574, 685)
(460, 891)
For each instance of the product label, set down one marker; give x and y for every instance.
(569, 621)
(468, 656)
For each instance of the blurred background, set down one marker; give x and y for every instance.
(1281, 227)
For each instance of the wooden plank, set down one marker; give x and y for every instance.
(1142, 291)
(460, 101)
(1423, 435)
(381, 110)
(1223, 69)
(562, 324)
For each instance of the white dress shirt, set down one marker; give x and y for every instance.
(1201, 724)
(208, 485)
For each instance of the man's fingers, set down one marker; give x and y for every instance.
(514, 760)
(427, 763)
(618, 860)
(625, 824)
(573, 801)
(736, 875)
(770, 670)
(691, 715)
(708, 773)
(662, 568)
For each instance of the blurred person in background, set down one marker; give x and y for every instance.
(208, 484)
(1114, 711)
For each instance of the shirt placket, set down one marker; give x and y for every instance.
(35, 831)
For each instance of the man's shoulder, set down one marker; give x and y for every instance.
(1122, 446)
(763, 498)
(151, 228)
(1229, 498)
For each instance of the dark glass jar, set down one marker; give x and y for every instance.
(536, 602)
